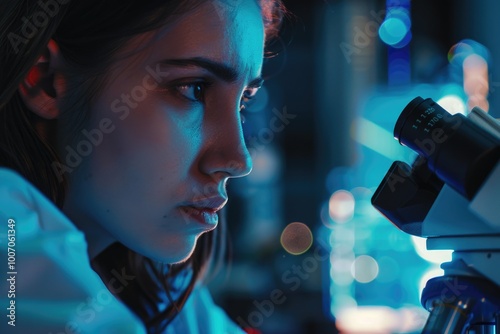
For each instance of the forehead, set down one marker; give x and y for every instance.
(227, 31)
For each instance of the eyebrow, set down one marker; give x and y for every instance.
(220, 70)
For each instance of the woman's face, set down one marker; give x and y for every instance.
(165, 134)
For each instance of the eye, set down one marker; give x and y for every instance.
(194, 92)
(248, 95)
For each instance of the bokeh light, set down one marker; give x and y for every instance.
(364, 269)
(476, 84)
(472, 59)
(340, 272)
(296, 238)
(367, 319)
(463, 49)
(395, 30)
(392, 31)
(453, 104)
(341, 206)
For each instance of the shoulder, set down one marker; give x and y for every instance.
(22, 202)
(52, 287)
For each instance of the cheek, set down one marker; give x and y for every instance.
(143, 127)
(154, 135)
(151, 149)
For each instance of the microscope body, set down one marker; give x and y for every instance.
(451, 196)
(468, 295)
(470, 228)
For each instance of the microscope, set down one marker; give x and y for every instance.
(450, 195)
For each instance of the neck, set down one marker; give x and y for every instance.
(96, 236)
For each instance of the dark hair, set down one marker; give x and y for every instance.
(89, 33)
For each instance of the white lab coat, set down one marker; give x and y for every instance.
(47, 285)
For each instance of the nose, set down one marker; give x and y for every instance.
(225, 148)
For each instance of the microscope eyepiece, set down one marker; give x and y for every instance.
(419, 121)
(457, 149)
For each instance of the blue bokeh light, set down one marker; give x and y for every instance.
(392, 31)
(395, 30)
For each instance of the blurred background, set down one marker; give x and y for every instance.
(309, 253)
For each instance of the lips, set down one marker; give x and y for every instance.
(204, 210)
(214, 203)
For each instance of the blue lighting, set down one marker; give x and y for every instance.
(392, 31)
(399, 72)
(395, 32)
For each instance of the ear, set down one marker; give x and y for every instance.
(44, 86)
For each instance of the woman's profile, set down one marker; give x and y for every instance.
(120, 127)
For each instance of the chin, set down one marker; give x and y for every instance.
(170, 255)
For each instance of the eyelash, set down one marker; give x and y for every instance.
(202, 85)
(246, 98)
